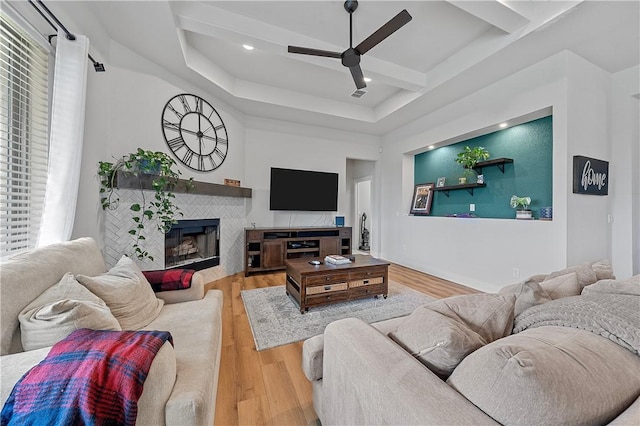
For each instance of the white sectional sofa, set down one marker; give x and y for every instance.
(556, 349)
(181, 386)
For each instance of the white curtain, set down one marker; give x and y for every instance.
(65, 140)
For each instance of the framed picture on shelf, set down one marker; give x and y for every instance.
(422, 199)
(440, 182)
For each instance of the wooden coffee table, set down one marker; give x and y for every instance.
(312, 285)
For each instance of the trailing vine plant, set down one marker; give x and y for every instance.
(160, 209)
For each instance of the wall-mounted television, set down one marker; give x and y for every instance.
(303, 190)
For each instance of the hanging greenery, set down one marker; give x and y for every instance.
(160, 209)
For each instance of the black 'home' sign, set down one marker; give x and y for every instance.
(590, 176)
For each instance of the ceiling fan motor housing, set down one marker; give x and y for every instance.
(350, 57)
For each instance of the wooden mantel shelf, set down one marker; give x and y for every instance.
(126, 180)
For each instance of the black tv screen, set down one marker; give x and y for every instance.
(303, 190)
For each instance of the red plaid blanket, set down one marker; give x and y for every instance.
(169, 279)
(91, 377)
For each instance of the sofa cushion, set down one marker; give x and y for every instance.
(14, 366)
(528, 293)
(27, 275)
(550, 375)
(440, 334)
(603, 270)
(562, 286)
(63, 308)
(630, 286)
(127, 293)
(584, 273)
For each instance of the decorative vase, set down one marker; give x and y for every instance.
(523, 214)
(546, 213)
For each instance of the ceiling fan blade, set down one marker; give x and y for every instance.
(384, 31)
(314, 52)
(358, 78)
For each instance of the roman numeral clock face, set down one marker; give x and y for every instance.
(195, 132)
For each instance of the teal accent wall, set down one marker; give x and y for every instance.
(530, 145)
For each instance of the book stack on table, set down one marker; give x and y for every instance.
(336, 259)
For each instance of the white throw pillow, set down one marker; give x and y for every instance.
(562, 286)
(441, 333)
(584, 273)
(603, 270)
(528, 293)
(63, 308)
(127, 293)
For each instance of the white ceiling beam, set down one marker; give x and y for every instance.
(493, 12)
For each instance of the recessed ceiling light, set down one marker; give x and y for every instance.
(247, 46)
(367, 79)
(431, 146)
(503, 125)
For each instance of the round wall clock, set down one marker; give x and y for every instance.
(194, 132)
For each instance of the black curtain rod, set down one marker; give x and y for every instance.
(96, 65)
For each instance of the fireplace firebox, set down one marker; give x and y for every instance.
(193, 244)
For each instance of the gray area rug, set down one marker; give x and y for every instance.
(276, 320)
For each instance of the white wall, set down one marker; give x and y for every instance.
(624, 173)
(271, 143)
(483, 253)
(588, 98)
(124, 109)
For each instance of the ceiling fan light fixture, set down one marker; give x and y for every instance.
(359, 93)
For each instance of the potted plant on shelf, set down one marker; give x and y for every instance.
(522, 206)
(468, 159)
(160, 208)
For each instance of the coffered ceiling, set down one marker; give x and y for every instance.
(449, 49)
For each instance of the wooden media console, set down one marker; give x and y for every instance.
(267, 249)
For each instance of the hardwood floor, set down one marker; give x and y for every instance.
(268, 387)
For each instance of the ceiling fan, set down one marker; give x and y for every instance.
(351, 57)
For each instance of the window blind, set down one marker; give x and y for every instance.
(24, 126)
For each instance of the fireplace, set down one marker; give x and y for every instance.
(193, 244)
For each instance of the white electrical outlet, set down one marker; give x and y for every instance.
(472, 207)
(516, 272)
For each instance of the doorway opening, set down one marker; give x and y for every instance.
(363, 215)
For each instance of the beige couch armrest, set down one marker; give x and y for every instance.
(195, 292)
(157, 387)
(312, 351)
(368, 379)
(313, 347)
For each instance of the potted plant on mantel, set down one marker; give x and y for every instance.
(522, 206)
(160, 209)
(468, 159)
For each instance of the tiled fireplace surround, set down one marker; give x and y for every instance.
(230, 211)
